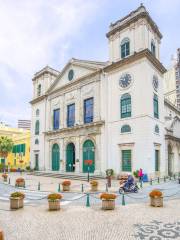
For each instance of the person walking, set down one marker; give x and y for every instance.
(140, 174)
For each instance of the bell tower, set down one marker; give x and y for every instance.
(133, 33)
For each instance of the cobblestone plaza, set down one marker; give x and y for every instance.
(135, 220)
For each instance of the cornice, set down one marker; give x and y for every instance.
(75, 128)
(38, 99)
(127, 23)
(136, 56)
(44, 72)
(170, 137)
(173, 107)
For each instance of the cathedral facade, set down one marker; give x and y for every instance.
(99, 115)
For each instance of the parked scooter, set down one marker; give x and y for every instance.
(129, 186)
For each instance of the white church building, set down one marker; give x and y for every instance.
(109, 114)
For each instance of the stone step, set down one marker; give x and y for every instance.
(73, 176)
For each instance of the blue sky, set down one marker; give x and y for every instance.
(36, 33)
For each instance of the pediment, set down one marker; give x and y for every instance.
(73, 70)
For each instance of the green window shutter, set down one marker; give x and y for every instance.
(125, 106)
(24, 149)
(125, 128)
(126, 161)
(156, 106)
(37, 127)
(156, 160)
(125, 48)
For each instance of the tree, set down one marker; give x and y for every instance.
(6, 145)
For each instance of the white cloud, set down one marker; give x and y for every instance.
(34, 34)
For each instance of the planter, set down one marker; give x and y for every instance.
(20, 184)
(156, 201)
(66, 188)
(108, 204)
(16, 203)
(54, 205)
(1, 235)
(94, 188)
(5, 179)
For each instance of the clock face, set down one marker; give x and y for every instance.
(155, 82)
(70, 74)
(125, 80)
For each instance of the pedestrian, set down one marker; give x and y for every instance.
(140, 174)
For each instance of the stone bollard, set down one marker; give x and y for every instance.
(106, 187)
(87, 201)
(1, 235)
(39, 186)
(123, 200)
(59, 187)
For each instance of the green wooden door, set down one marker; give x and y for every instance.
(156, 160)
(55, 157)
(70, 158)
(88, 154)
(126, 160)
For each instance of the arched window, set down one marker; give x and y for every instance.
(37, 128)
(126, 105)
(39, 90)
(36, 141)
(156, 129)
(37, 112)
(125, 129)
(156, 106)
(125, 47)
(153, 48)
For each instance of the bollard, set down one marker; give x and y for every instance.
(141, 184)
(106, 187)
(87, 201)
(82, 188)
(158, 179)
(123, 200)
(39, 187)
(164, 179)
(59, 187)
(151, 181)
(9, 181)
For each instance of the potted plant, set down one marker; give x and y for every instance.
(108, 201)
(54, 201)
(20, 182)
(17, 200)
(156, 198)
(4, 176)
(66, 185)
(94, 185)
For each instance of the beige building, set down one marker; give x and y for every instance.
(172, 81)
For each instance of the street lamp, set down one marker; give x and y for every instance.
(88, 163)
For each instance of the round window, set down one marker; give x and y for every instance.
(70, 75)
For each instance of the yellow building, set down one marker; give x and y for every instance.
(20, 155)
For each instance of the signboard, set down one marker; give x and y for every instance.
(88, 162)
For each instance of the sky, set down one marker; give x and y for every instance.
(36, 33)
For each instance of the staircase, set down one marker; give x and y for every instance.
(67, 175)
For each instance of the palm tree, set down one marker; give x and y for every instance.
(6, 146)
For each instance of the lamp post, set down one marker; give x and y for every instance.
(88, 163)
